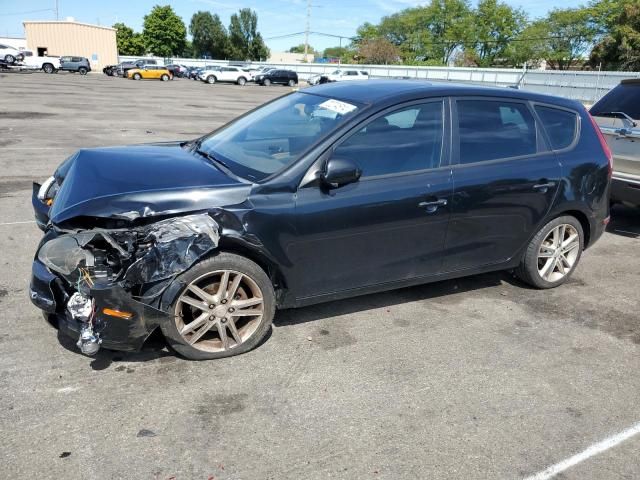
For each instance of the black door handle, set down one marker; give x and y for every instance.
(432, 206)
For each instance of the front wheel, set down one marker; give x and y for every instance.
(137, 76)
(9, 58)
(211, 79)
(266, 82)
(553, 253)
(164, 77)
(226, 308)
(291, 83)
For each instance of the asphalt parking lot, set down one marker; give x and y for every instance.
(478, 378)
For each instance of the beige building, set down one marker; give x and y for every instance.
(60, 38)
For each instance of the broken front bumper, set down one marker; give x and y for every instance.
(49, 293)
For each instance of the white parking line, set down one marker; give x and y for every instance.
(16, 223)
(593, 450)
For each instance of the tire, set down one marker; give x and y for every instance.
(211, 79)
(47, 68)
(541, 267)
(137, 76)
(9, 58)
(114, 73)
(164, 77)
(242, 81)
(82, 71)
(254, 286)
(266, 82)
(291, 83)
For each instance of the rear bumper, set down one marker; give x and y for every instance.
(50, 293)
(625, 189)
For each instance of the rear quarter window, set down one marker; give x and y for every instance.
(561, 125)
(623, 98)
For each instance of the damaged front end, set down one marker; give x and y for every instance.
(105, 286)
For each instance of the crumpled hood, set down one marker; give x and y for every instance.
(141, 181)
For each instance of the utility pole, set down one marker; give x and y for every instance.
(57, 16)
(306, 31)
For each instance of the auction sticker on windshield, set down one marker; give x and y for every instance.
(341, 108)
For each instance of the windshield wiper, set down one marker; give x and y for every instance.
(212, 158)
(617, 114)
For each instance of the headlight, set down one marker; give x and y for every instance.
(44, 189)
(64, 254)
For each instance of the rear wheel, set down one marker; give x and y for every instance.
(291, 83)
(553, 253)
(47, 68)
(225, 309)
(164, 77)
(211, 79)
(137, 76)
(82, 71)
(242, 81)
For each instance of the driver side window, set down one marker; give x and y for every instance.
(402, 141)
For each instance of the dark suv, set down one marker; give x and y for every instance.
(80, 65)
(280, 77)
(334, 191)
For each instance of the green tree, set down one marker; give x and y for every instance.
(300, 49)
(571, 35)
(209, 35)
(128, 41)
(245, 42)
(619, 47)
(164, 32)
(496, 25)
(378, 51)
(334, 52)
(531, 46)
(426, 34)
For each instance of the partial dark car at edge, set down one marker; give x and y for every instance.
(339, 190)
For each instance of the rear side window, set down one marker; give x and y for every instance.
(561, 125)
(407, 140)
(493, 130)
(623, 98)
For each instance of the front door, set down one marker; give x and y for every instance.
(505, 181)
(390, 225)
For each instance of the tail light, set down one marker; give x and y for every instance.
(603, 144)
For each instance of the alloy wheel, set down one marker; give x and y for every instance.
(558, 252)
(219, 311)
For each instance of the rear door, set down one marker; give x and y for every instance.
(505, 180)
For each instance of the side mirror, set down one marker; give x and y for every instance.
(340, 171)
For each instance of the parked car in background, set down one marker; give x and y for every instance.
(262, 71)
(150, 72)
(347, 75)
(278, 77)
(126, 66)
(618, 116)
(10, 54)
(110, 70)
(334, 191)
(314, 79)
(177, 70)
(226, 73)
(194, 72)
(80, 65)
(46, 63)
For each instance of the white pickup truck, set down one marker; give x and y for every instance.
(46, 64)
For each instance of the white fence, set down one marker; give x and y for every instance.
(586, 87)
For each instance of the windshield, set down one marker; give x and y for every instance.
(277, 134)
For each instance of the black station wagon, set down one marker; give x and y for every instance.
(334, 191)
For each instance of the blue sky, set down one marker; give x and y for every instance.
(275, 17)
